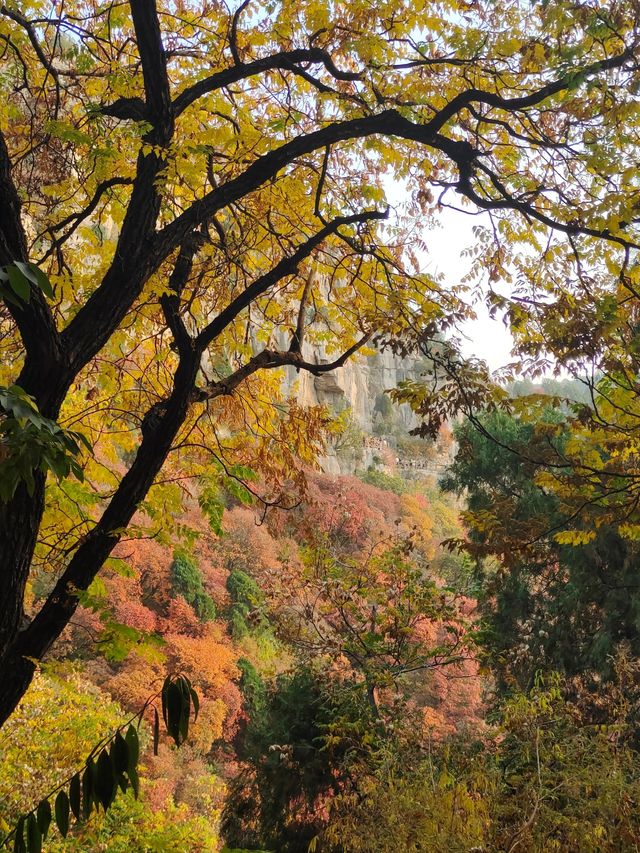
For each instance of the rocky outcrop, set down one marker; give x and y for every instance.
(359, 386)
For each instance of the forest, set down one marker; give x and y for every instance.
(285, 565)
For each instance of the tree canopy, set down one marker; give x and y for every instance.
(190, 195)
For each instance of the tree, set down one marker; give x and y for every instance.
(187, 582)
(543, 778)
(302, 745)
(198, 186)
(111, 766)
(554, 598)
(379, 616)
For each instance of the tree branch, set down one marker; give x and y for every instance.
(272, 359)
(133, 264)
(27, 26)
(287, 266)
(388, 122)
(508, 201)
(297, 338)
(233, 31)
(160, 427)
(159, 110)
(170, 302)
(75, 219)
(13, 242)
(34, 318)
(285, 61)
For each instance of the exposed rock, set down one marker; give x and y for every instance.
(360, 385)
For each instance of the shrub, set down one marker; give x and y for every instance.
(186, 581)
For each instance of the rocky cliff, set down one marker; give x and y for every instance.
(360, 384)
(378, 430)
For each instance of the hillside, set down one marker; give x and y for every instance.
(218, 607)
(374, 433)
(284, 567)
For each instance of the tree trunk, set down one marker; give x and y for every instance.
(20, 517)
(34, 641)
(19, 525)
(16, 673)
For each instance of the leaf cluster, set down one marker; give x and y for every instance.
(16, 280)
(553, 588)
(187, 582)
(111, 766)
(30, 442)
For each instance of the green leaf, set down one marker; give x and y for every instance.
(213, 507)
(164, 694)
(196, 703)
(8, 296)
(19, 283)
(238, 491)
(105, 782)
(185, 689)
(120, 567)
(174, 712)
(44, 817)
(135, 781)
(74, 796)
(37, 276)
(32, 442)
(120, 754)
(34, 836)
(18, 840)
(87, 790)
(133, 743)
(61, 809)
(82, 439)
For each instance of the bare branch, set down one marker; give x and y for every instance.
(287, 266)
(285, 61)
(298, 336)
(33, 38)
(273, 359)
(75, 219)
(233, 31)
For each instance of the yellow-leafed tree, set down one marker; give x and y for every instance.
(193, 196)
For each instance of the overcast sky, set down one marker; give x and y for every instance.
(484, 337)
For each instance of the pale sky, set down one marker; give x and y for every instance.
(485, 338)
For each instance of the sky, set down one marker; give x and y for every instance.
(484, 337)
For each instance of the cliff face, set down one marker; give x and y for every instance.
(359, 384)
(357, 390)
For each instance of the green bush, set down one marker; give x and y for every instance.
(186, 581)
(247, 600)
(382, 480)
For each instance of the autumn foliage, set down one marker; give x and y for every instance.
(201, 203)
